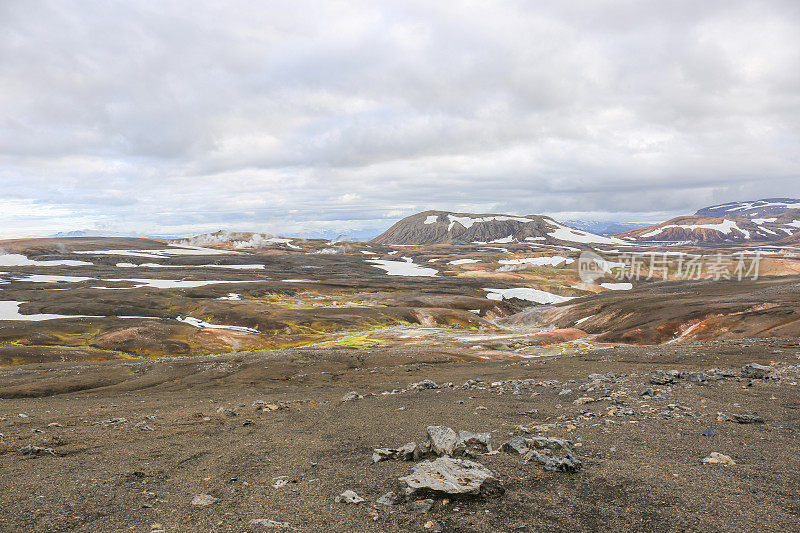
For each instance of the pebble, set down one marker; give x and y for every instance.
(719, 458)
(201, 500)
(349, 496)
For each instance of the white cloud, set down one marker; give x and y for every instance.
(194, 116)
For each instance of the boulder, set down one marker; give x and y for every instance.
(458, 477)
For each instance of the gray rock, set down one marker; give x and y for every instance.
(263, 405)
(421, 506)
(473, 442)
(442, 440)
(523, 445)
(756, 371)
(565, 463)
(471, 384)
(383, 454)
(390, 498)
(201, 500)
(697, 377)
(32, 449)
(352, 395)
(747, 418)
(406, 451)
(423, 385)
(266, 522)
(227, 411)
(516, 444)
(446, 475)
(349, 496)
(659, 377)
(549, 443)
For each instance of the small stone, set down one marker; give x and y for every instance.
(383, 454)
(421, 506)
(227, 411)
(266, 522)
(390, 498)
(566, 463)
(697, 377)
(349, 496)
(248, 422)
(352, 395)
(709, 432)
(201, 500)
(583, 400)
(756, 371)
(424, 385)
(718, 458)
(263, 405)
(747, 418)
(32, 449)
(659, 377)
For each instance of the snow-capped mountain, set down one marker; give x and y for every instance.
(698, 228)
(444, 227)
(767, 207)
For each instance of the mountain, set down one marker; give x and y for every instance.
(444, 227)
(605, 228)
(705, 229)
(759, 208)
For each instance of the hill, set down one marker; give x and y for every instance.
(444, 227)
(729, 229)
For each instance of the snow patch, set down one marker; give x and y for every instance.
(21, 260)
(553, 260)
(403, 268)
(196, 322)
(617, 286)
(526, 293)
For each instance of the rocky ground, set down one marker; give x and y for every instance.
(611, 439)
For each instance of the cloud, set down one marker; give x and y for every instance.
(194, 116)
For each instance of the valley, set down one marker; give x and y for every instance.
(239, 381)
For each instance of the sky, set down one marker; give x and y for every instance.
(174, 118)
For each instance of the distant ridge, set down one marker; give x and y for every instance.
(758, 208)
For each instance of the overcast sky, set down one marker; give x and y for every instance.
(179, 117)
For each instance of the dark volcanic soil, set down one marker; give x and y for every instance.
(642, 468)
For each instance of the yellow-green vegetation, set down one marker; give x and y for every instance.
(360, 342)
